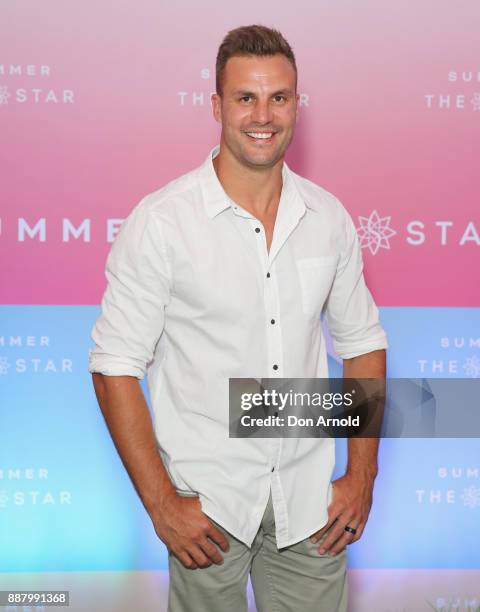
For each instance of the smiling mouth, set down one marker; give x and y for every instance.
(262, 137)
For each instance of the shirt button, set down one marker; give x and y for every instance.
(268, 274)
(275, 366)
(272, 321)
(273, 469)
(257, 229)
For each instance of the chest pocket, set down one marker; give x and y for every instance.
(316, 275)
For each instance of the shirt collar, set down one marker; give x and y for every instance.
(216, 200)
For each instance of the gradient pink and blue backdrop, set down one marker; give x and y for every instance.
(390, 122)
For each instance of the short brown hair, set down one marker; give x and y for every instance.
(251, 40)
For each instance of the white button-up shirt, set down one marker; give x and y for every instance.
(194, 298)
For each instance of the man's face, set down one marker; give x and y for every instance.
(258, 109)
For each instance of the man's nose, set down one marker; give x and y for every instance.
(262, 111)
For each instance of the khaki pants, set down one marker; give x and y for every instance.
(293, 579)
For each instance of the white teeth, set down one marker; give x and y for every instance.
(260, 134)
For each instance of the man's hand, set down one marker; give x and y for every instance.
(185, 529)
(351, 502)
(178, 521)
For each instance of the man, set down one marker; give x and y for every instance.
(225, 273)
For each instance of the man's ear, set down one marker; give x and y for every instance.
(297, 106)
(217, 107)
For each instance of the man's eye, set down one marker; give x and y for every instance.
(246, 98)
(279, 98)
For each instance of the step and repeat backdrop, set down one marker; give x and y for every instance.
(103, 103)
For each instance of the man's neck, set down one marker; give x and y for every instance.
(256, 190)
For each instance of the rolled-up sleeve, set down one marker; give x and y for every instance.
(350, 311)
(133, 306)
